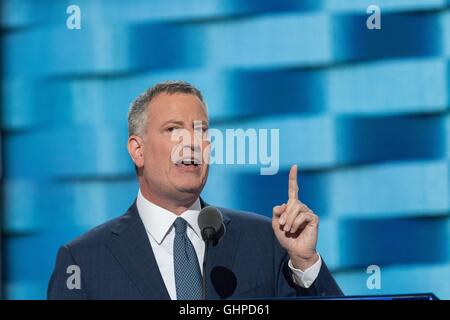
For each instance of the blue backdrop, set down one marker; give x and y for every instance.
(364, 113)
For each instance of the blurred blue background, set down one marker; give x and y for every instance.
(364, 113)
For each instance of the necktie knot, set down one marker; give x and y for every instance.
(180, 225)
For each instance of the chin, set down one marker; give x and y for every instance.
(191, 187)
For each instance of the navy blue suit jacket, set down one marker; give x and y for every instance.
(117, 262)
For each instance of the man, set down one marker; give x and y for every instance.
(155, 250)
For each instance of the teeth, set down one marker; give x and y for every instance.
(189, 162)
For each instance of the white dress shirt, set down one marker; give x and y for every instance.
(158, 223)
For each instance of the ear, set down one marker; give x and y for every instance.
(136, 150)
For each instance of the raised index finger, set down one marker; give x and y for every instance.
(293, 185)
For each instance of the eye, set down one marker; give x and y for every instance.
(171, 129)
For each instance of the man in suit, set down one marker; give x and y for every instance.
(155, 250)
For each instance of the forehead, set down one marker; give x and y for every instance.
(186, 107)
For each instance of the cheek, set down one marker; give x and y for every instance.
(159, 151)
(206, 150)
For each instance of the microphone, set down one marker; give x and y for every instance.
(210, 221)
(211, 225)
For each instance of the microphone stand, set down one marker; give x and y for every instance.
(208, 242)
(211, 237)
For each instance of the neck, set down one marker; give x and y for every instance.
(173, 205)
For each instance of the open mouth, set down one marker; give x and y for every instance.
(188, 163)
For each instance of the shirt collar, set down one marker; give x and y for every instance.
(158, 221)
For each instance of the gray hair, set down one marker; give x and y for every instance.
(137, 115)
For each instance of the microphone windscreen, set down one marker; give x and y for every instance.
(210, 217)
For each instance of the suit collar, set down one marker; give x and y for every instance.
(132, 214)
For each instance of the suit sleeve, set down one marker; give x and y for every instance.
(58, 288)
(324, 285)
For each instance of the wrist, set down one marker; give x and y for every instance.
(304, 263)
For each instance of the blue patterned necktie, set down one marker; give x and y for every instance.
(188, 278)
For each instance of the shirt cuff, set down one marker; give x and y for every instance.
(305, 278)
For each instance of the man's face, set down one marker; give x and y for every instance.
(169, 116)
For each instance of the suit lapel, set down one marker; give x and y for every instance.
(130, 245)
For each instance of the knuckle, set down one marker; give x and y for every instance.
(290, 219)
(297, 222)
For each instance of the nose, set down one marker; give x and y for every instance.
(191, 141)
(196, 140)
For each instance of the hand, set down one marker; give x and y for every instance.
(296, 227)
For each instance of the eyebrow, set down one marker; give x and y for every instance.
(181, 123)
(173, 122)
